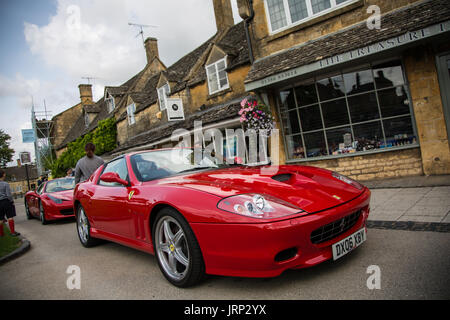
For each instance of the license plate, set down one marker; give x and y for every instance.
(348, 244)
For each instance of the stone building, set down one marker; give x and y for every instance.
(17, 179)
(66, 125)
(207, 85)
(361, 87)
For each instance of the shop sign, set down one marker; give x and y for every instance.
(380, 46)
(175, 111)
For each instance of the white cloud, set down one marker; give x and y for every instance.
(93, 38)
(88, 38)
(18, 87)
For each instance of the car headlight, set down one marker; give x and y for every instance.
(258, 206)
(55, 200)
(348, 180)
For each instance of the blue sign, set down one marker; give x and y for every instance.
(28, 136)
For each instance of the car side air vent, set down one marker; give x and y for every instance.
(283, 177)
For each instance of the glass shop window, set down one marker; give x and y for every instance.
(365, 109)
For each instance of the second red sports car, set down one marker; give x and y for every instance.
(52, 200)
(219, 219)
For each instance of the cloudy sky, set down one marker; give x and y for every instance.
(49, 46)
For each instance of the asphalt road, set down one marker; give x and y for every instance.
(413, 265)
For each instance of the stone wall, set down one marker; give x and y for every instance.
(193, 98)
(63, 122)
(267, 44)
(420, 68)
(382, 165)
(199, 94)
(16, 186)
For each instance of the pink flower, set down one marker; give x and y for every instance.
(243, 102)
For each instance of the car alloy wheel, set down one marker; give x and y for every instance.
(42, 213)
(27, 210)
(83, 229)
(173, 251)
(178, 253)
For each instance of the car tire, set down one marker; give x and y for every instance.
(84, 229)
(42, 214)
(27, 210)
(176, 249)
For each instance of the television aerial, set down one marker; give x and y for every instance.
(141, 28)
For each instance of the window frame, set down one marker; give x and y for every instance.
(131, 114)
(41, 188)
(86, 119)
(68, 178)
(311, 15)
(108, 98)
(162, 90)
(351, 124)
(215, 64)
(99, 181)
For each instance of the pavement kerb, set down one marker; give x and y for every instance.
(25, 246)
(409, 225)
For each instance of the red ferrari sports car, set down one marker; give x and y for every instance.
(210, 218)
(52, 200)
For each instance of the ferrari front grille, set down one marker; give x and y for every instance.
(66, 212)
(334, 229)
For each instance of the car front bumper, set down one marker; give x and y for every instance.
(57, 211)
(268, 249)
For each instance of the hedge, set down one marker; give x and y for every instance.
(104, 138)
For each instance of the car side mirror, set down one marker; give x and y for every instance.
(113, 177)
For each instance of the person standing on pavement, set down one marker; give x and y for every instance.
(87, 165)
(7, 208)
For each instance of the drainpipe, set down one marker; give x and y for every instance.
(247, 33)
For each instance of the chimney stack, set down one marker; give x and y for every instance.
(151, 49)
(85, 93)
(224, 14)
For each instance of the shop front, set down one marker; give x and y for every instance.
(375, 111)
(347, 112)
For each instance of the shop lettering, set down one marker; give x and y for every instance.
(280, 77)
(330, 61)
(385, 44)
(355, 54)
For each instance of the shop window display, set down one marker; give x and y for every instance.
(348, 112)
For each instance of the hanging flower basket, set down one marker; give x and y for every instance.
(256, 115)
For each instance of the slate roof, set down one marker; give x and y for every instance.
(76, 131)
(395, 23)
(79, 128)
(117, 91)
(234, 43)
(19, 173)
(92, 108)
(213, 114)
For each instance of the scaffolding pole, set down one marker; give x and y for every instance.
(42, 142)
